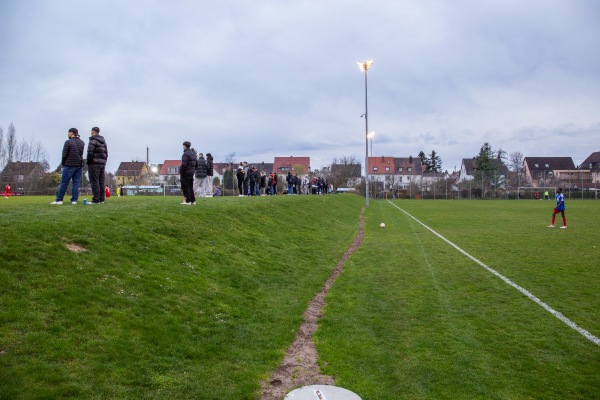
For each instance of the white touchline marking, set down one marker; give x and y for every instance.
(552, 311)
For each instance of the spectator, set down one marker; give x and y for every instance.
(96, 159)
(210, 172)
(273, 183)
(201, 176)
(186, 172)
(72, 162)
(254, 180)
(290, 183)
(241, 176)
(246, 179)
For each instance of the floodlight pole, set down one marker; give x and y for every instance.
(364, 66)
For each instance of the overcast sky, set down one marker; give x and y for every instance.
(280, 78)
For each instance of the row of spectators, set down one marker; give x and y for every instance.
(252, 182)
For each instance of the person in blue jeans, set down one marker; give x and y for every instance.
(72, 163)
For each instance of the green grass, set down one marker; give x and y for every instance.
(413, 318)
(201, 302)
(167, 301)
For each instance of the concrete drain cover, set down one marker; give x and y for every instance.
(321, 392)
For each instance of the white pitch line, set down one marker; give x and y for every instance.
(527, 293)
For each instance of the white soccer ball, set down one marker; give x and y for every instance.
(382, 225)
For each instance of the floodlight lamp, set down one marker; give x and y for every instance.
(365, 65)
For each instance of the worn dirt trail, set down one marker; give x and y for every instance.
(299, 366)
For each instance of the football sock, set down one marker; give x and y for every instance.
(564, 222)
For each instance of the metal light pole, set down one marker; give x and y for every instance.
(364, 66)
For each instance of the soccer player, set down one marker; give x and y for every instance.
(560, 208)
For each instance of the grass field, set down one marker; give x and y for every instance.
(169, 301)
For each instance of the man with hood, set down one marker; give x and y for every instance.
(96, 160)
(210, 172)
(201, 176)
(186, 172)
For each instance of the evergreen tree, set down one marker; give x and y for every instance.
(435, 162)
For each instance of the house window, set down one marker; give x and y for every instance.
(172, 170)
(399, 169)
(375, 169)
(387, 168)
(285, 169)
(536, 165)
(547, 166)
(400, 179)
(409, 169)
(408, 178)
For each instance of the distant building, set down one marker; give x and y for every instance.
(23, 176)
(133, 173)
(592, 163)
(547, 171)
(283, 165)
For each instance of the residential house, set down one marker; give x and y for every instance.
(407, 170)
(592, 163)
(133, 173)
(283, 165)
(168, 174)
(23, 176)
(345, 175)
(549, 171)
(468, 169)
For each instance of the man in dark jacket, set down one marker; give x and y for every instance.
(72, 162)
(186, 172)
(201, 176)
(210, 172)
(96, 159)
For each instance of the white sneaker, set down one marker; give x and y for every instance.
(74, 202)
(193, 203)
(56, 202)
(550, 226)
(563, 227)
(186, 204)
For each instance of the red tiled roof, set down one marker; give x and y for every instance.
(291, 162)
(378, 165)
(164, 170)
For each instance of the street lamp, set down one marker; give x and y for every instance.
(370, 136)
(364, 66)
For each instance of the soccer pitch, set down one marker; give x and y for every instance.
(441, 303)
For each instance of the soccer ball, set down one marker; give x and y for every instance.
(382, 225)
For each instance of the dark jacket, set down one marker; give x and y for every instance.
(188, 162)
(254, 176)
(209, 162)
(97, 150)
(72, 155)
(240, 174)
(201, 168)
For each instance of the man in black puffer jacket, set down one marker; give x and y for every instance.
(96, 159)
(186, 172)
(72, 162)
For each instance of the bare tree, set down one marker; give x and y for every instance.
(342, 171)
(11, 142)
(515, 164)
(23, 150)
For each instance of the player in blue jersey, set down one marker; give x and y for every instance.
(560, 208)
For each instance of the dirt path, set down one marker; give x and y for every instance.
(299, 366)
